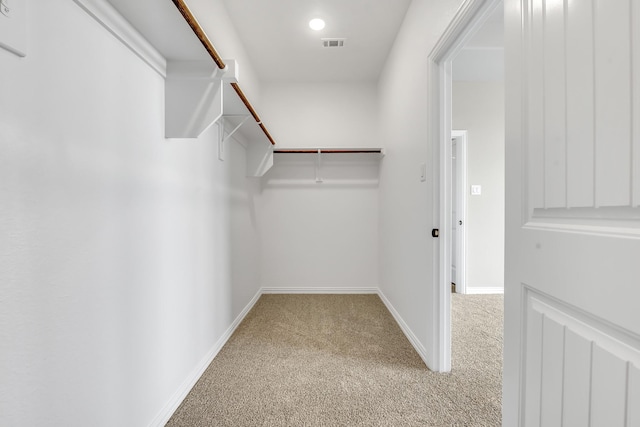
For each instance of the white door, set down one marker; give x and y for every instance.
(458, 209)
(572, 288)
(454, 213)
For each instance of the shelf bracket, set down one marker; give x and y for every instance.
(221, 135)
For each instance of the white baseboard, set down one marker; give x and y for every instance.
(320, 290)
(405, 329)
(174, 402)
(484, 290)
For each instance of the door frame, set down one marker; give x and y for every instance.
(471, 15)
(461, 195)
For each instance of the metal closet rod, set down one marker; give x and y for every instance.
(199, 32)
(330, 151)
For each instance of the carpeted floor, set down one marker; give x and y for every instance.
(337, 360)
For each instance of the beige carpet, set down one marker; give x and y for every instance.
(338, 360)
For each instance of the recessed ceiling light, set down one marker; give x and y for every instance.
(316, 24)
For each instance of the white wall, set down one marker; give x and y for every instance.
(322, 115)
(479, 64)
(119, 255)
(408, 252)
(478, 107)
(320, 235)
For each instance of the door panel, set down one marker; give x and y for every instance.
(550, 23)
(552, 365)
(536, 158)
(533, 367)
(579, 104)
(577, 376)
(580, 111)
(613, 96)
(578, 367)
(572, 326)
(608, 389)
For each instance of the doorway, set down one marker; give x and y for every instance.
(470, 18)
(478, 107)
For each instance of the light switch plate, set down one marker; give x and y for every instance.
(476, 190)
(423, 172)
(13, 26)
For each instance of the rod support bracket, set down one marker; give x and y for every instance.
(222, 138)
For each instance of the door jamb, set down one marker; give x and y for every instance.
(470, 17)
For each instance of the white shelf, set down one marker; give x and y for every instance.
(330, 157)
(197, 92)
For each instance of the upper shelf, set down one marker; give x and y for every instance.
(201, 88)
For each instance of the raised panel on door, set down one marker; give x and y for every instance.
(580, 110)
(581, 106)
(533, 375)
(535, 146)
(552, 367)
(579, 370)
(613, 108)
(554, 105)
(608, 388)
(577, 379)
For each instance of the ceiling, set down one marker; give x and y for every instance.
(283, 48)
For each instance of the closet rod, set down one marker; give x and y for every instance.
(266, 132)
(330, 151)
(199, 32)
(245, 101)
(197, 29)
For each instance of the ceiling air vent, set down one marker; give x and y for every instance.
(333, 42)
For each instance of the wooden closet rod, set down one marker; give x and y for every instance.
(245, 101)
(197, 29)
(199, 32)
(330, 151)
(266, 132)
